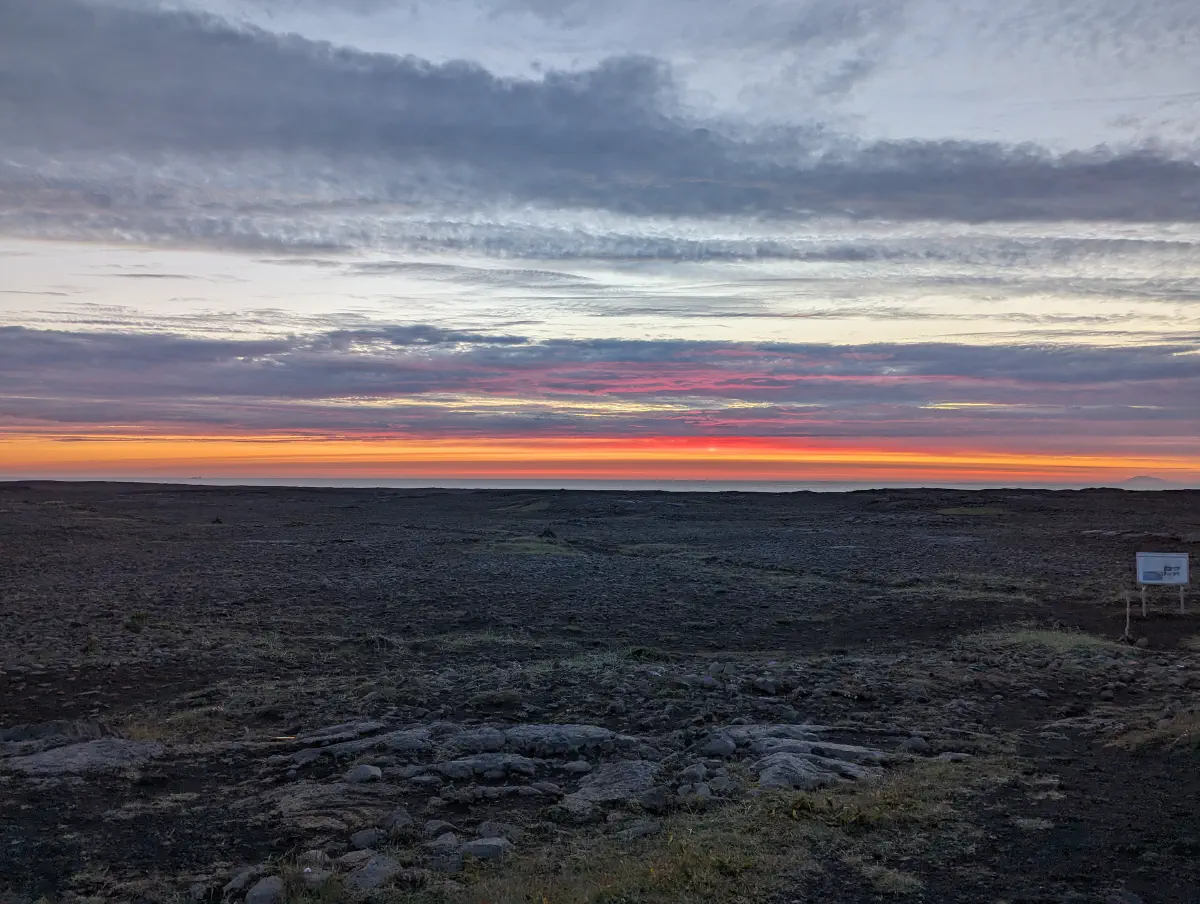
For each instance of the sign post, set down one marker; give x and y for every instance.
(1163, 568)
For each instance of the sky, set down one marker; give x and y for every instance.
(868, 241)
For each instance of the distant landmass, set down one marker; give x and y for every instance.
(1150, 483)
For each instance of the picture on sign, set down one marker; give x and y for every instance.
(1162, 567)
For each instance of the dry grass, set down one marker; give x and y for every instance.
(478, 641)
(1043, 639)
(1191, 643)
(967, 510)
(1181, 731)
(204, 724)
(742, 852)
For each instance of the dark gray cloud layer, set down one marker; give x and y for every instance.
(369, 380)
(78, 78)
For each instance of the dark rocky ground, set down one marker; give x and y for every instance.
(895, 695)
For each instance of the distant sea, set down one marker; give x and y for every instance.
(674, 486)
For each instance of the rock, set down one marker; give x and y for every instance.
(266, 891)
(805, 772)
(306, 756)
(483, 764)
(450, 862)
(1143, 642)
(436, 827)
(640, 828)
(697, 772)
(363, 773)
(766, 686)
(397, 821)
(620, 781)
(579, 767)
(656, 800)
(331, 808)
(444, 842)
(481, 740)
(548, 788)
(377, 872)
(719, 745)
(314, 858)
(723, 784)
(697, 795)
(493, 829)
(487, 848)
(366, 838)
(102, 755)
(354, 859)
(241, 880)
(917, 745)
(953, 757)
(1123, 897)
(560, 740)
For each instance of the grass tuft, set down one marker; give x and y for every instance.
(1044, 639)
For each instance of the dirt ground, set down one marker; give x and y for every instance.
(179, 665)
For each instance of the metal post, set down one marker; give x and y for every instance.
(1128, 616)
(1143, 601)
(1182, 606)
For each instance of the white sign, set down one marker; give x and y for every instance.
(1162, 567)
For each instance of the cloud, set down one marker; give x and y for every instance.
(421, 380)
(179, 124)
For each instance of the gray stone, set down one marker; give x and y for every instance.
(397, 821)
(493, 829)
(364, 773)
(487, 848)
(199, 892)
(497, 764)
(916, 745)
(656, 800)
(620, 781)
(767, 686)
(481, 740)
(830, 753)
(366, 838)
(242, 879)
(719, 745)
(640, 828)
(697, 772)
(266, 891)
(102, 755)
(343, 732)
(435, 827)
(579, 767)
(377, 872)
(447, 841)
(335, 807)
(697, 795)
(355, 859)
(449, 862)
(560, 740)
(787, 769)
(953, 757)
(306, 756)
(314, 858)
